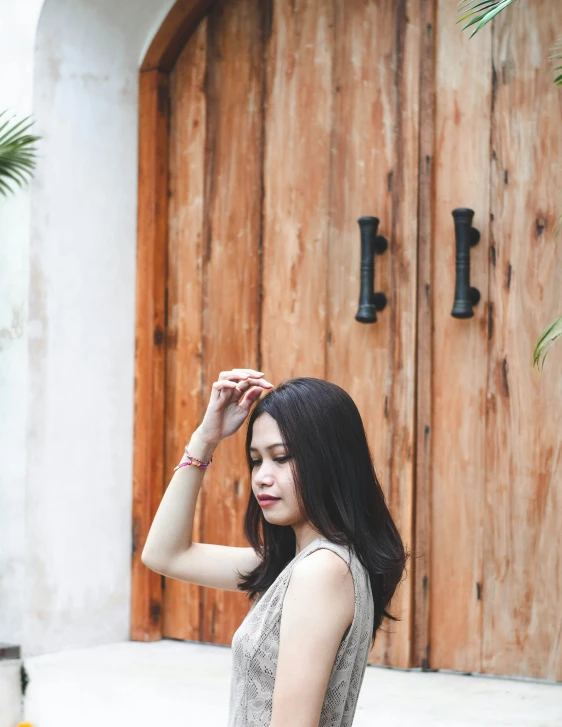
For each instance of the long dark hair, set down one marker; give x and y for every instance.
(336, 486)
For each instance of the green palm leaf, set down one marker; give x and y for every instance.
(17, 152)
(556, 57)
(546, 341)
(480, 13)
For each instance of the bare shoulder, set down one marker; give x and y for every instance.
(323, 564)
(325, 576)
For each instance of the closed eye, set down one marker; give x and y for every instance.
(279, 460)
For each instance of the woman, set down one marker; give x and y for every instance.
(326, 556)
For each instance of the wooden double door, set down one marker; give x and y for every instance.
(289, 120)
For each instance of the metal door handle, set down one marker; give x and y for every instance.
(466, 237)
(371, 244)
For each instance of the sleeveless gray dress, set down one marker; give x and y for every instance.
(255, 647)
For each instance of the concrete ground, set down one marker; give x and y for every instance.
(178, 683)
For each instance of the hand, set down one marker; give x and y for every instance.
(232, 397)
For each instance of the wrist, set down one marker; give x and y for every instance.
(200, 447)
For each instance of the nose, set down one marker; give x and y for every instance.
(263, 475)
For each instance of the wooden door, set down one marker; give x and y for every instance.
(495, 577)
(288, 121)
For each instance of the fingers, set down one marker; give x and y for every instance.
(222, 389)
(239, 374)
(252, 395)
(243, 386)
(235, 389)
(243, 379)
(220, 385)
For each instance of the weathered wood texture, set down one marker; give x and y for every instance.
(174, 33)
(215, 226)
(289, 121)
(424, 340)
(296, 188)
(184, 405)
(373, 172)
(462, 137)
(231, 267)
(318, 132)
(148, 462)
(522, 624)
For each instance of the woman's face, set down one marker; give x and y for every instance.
(272, 478)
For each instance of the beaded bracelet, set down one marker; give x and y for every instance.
(193, 460)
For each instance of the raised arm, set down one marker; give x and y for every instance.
(169, 549)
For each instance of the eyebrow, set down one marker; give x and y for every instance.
(271, 446)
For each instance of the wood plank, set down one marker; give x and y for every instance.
(148, 464)
(374, 172)
(460, 347)
(183, 336)
(522, 626)
(296, 188)
(424, 350)
(171, 37)
(233, 178)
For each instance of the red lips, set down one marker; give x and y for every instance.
(261, 498)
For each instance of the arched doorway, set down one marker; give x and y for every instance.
(279, 140)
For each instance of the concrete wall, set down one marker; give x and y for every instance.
(67, 282)
(18, 23)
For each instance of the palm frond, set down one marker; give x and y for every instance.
(546, 341)
(17, 152)
(556, 58)
(480, 13)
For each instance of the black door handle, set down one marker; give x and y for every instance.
(371, 244)
(466, 237)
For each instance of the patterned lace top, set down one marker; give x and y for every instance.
(255, 647)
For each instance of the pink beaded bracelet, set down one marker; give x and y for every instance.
(193, 460)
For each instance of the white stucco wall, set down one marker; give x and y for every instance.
(18, 23)
(67, 263)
